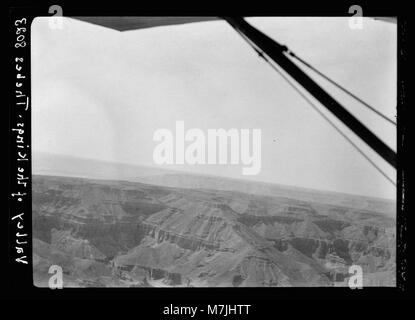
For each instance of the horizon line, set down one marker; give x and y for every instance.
(178, 171)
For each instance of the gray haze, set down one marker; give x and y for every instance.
(101, 94)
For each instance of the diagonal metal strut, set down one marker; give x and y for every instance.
(276, 52)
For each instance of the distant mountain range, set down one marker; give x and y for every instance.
(59, 165)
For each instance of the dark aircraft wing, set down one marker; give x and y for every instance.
(134, 23)
(387, 19)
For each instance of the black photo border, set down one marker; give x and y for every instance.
(20, 276)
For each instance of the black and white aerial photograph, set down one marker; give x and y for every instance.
(201, 152)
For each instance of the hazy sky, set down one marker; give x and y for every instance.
(101, 94)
